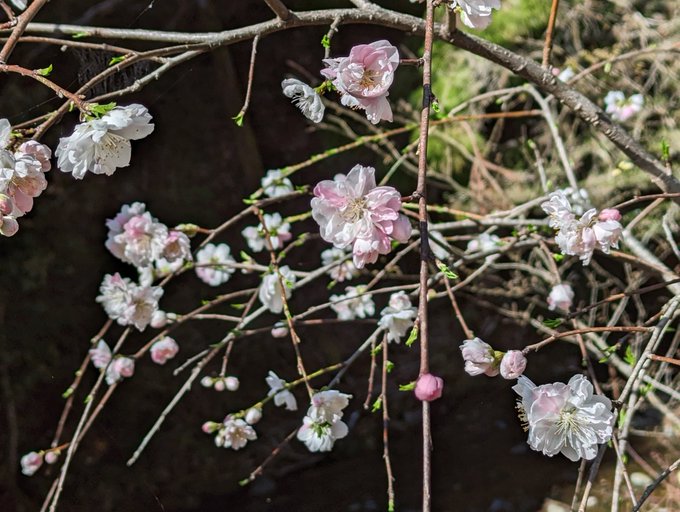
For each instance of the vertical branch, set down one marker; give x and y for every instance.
(279, 9)
(386, 424)
(22, 22)
(424, 245)
(547, 48)
(249, 87)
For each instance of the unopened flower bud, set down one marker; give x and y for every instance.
(253, 415)
(124, 366)
(232, 383)
(207, 382)
(158, 319)
(279, 331)
(6, 204)
(429, 387)
(9, 226)
(209, 427)
(513, 364)
(610, 214)
(219, 385)
(51, 457)
(31, 462)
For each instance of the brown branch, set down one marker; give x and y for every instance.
(251, 74)
(614, 328)
(22, 22)
(61, 92)
(650, 488)
(547, 48)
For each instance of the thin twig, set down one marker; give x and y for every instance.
(547, 47)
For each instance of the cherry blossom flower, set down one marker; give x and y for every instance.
(513, 364)
(480, 358)
(323, 424)
(103, 145)
(279, 233)
(177, 249)
(580, 237)
(327, 405)
(52, 456)
(119, 368)
(353, 212)
(565, 418)
(564, 75)
(320, 437)
(305, 98)
(116, 227)
(212, 264)
(609, 214)
(345, 269)
(364, 78)
(282, 396)
(561, 296)
(622, 108)
(31, 462)
(271, 292)
(164, 349)
(235, 434)
(22, 178)
(143, 240)
(398, 316)
(475, 13)
(353, 304)
(275, 184)
(429, 387)
(100, 355)
(128, 303)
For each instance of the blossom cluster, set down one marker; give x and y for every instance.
(480, 358)
(565, 418)
(102, 145)
(580, 237)
(352, 211)
(323, 424)
(232, 432)
(22, 178)
(622, 108)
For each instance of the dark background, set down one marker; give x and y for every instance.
(196, 167)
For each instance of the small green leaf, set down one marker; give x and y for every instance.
(665, 150)
(412, 337)
(376, 350)
(238, 118)
(558, 257)
(80, 35)
(244, 482)
(553, 323)
(88, 399)
(377, 405)
(67, 393)
(205, 302)
(97, 110)
(390, 505)
(407, 387)
(622, 418)
(117, 59)
(608, 67)
(245, 256)
(45, 71)
(238, 306)
(436, 107)
(446, 270)
(289, 284)
(326, 41)
(389, 366)
(629, 357)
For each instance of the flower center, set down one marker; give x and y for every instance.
(354, 210)
(369, 78)
(569, 422)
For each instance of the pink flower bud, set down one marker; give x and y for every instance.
(209, 427)
(207, 382)
(513, 364)
(6, 204)
(164, 349)
(232, 383)
(279, 331)
(610, 214)
(253, 415)
(429, 387)
(124, 366)
(158, 319)
(9, 226)
(31, 462)
(219, 385)
(51, 457)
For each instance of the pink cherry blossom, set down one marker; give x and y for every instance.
(609, 214)
(513, 364)
(429, 387)
(561, 296)
(352, 211)
(480, 358)
(163, 350)
(364, 78)
(31, 462)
